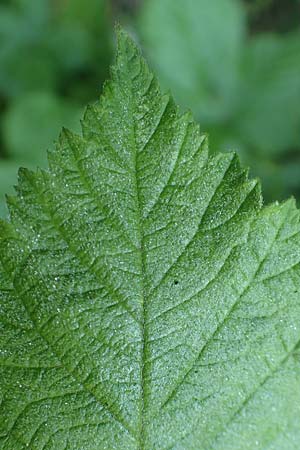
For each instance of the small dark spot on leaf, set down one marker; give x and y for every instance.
(176, 282)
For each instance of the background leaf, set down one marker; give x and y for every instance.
(269, 120)
(33, 121)
(196, 48)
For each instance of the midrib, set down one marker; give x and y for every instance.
(142, 265)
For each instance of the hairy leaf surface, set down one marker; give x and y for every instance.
(148, 301)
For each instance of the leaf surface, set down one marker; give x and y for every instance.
(148, 301)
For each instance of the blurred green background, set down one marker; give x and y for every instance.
(234, 63)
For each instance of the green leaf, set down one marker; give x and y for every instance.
(269, 118)
(148, 301)
(58, 49)
(196, 47)
(23, 33)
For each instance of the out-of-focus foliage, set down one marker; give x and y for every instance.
(243, 88)
(196, 47)
(235, 63)
(54, 56)
(37, 111)
(278, 15)
(53, 45)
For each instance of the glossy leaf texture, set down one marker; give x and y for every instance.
(148, 301)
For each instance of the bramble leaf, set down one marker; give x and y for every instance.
(148, 301)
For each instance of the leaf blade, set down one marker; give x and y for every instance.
(148, 281)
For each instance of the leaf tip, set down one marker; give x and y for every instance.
(126, 45)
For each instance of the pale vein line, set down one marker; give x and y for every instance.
(85, 181)
(106, 144)
(188, 299)
(75, 252)
(252, 394)
(191, 240)
(221, 324)
(172, 171)
(36, 402)
(157, 125)
(71, 372)
(144, 305)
